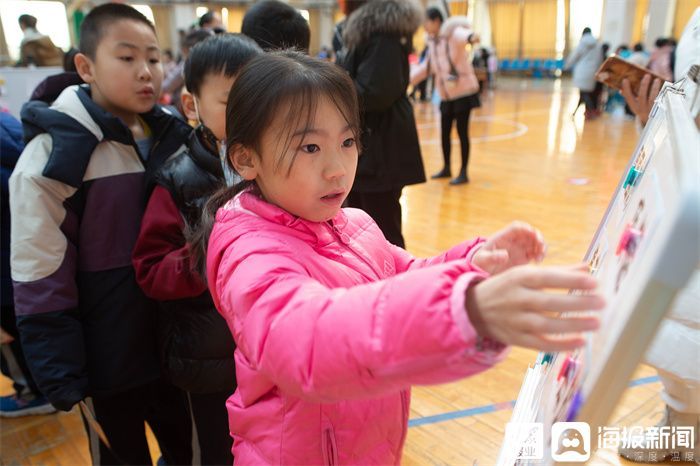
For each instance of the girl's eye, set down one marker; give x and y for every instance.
(154, 61)
(349, 142)
(310, 148)
(127, 59)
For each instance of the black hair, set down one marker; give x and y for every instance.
(206, 18)
(661, 42)
(69, 60)
(266, 85)
(195, 37)
(276, 25)
(433, 13)
(225, 53)
(352, 5)
(96, 22)
(638, 47)
(586, 30)
(27, 20)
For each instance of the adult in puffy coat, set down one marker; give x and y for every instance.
(449, 61)
(36, 48)
(377, 41)
(585, 61)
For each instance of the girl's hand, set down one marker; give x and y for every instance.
(513, 307)
(517, 244)
(642, 102)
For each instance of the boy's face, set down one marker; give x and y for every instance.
(211, 103)
(126, 75)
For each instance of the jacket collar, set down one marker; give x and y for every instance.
(250, 202)
(203, 156)
(77, 125)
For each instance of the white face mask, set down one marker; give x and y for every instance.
(230, 176)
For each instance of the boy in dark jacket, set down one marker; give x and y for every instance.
(77, 198)
(27, 398)
(195, 343)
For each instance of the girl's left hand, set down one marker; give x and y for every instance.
(517, 244)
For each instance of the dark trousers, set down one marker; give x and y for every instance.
(385, 209)
(210, 420)
(122, 416)
(462, 120)
(12, 362)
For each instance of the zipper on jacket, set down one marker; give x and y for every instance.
(345, 239)
(329, 447)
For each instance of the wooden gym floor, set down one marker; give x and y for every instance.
(531, 161)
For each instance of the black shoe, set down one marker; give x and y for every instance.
(444, 173)
(461, 179)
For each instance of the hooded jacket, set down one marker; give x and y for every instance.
(38, 49)
(377, 41)
(333, 325)
(77, 197)
(449, 61)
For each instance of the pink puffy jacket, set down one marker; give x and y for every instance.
(333, 324)
(449, 46)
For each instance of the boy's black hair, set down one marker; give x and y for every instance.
(206, 18)
(99, 18)
(276, 25)
(433, 13)
(195, 37)
(638, 47)
(586, 30)
(28, 21)
(225, 53)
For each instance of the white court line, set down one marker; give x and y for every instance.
(541, 111)
(520, 129)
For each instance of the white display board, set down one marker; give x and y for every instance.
(17, 85)
(645, 250)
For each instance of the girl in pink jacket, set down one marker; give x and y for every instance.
(332, 323)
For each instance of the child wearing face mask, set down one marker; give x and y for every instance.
(195, 345)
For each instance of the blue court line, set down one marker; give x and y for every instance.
(422, 421)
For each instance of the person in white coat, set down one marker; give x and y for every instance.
(585, 61)
(675, 351)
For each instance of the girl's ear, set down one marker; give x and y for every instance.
(244, 161)
(83, 65)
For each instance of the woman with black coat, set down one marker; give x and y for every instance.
(377, 40)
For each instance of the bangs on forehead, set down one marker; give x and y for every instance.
(301, 104)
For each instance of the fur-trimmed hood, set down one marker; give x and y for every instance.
(402, 17)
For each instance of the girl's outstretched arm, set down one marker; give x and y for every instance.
(330, 344)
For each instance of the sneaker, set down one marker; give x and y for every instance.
(673, 419)
(13, 406)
